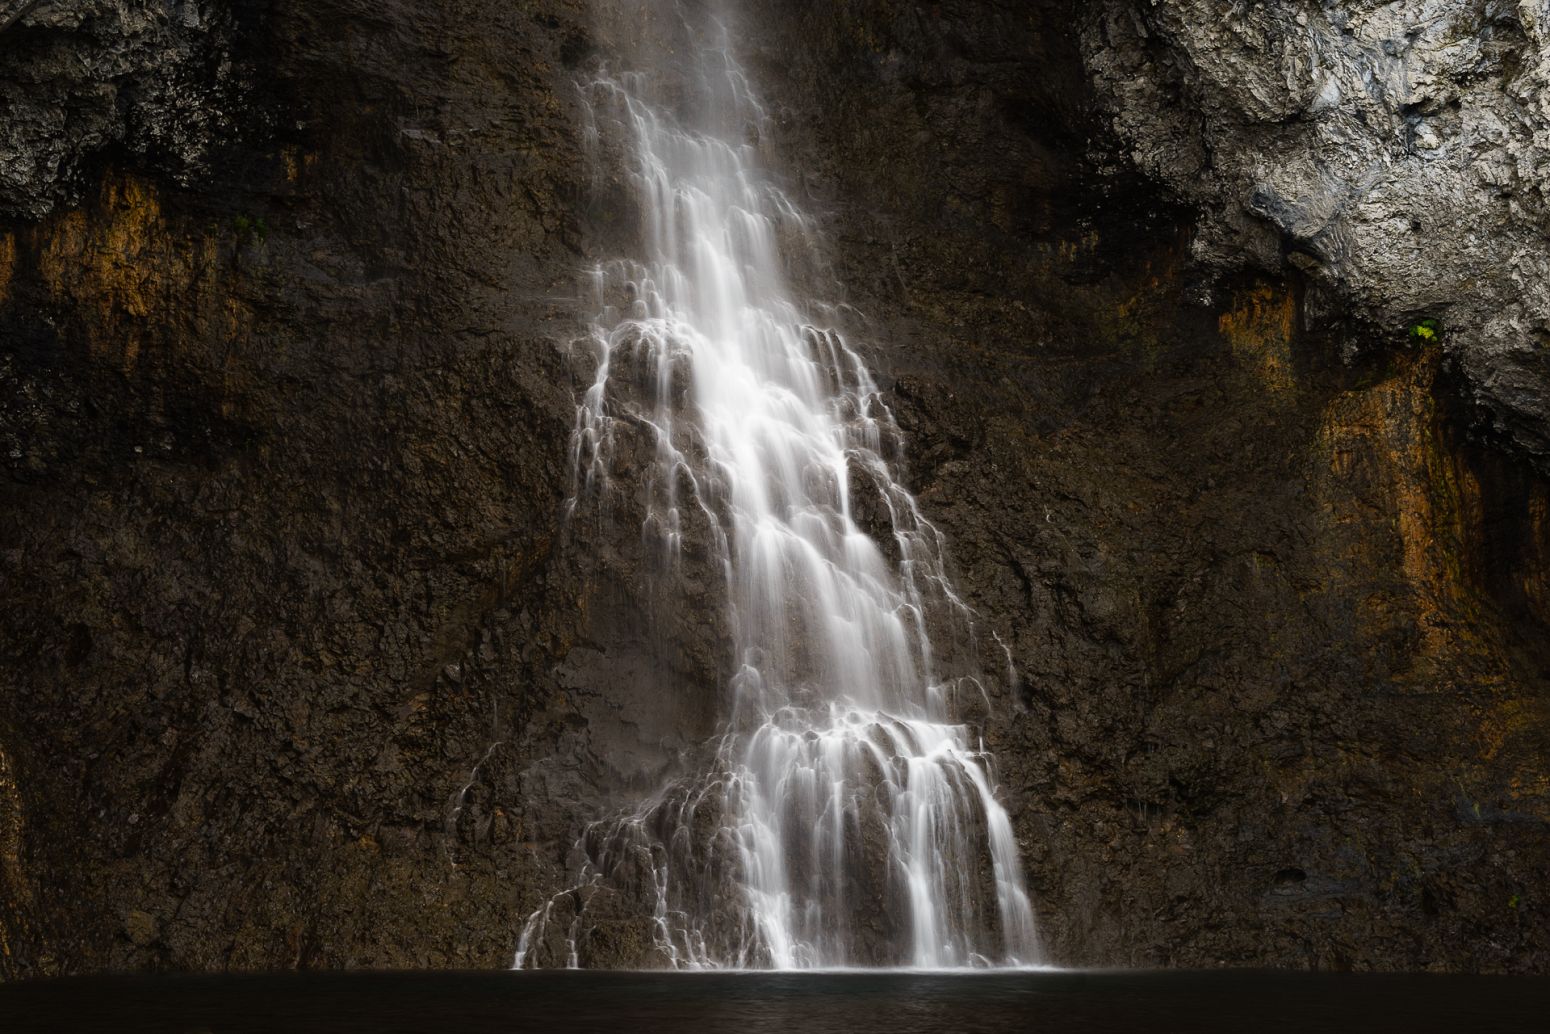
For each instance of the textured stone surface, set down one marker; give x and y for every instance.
(302, 666)
(154, 80)
(1280, 691)
(1396, 153)
(284, 451)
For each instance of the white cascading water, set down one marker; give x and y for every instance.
(847, 818)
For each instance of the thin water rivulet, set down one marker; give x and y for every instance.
(847, 817)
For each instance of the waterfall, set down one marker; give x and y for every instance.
(847, 817)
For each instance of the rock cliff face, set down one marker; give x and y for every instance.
(1396, 153)
(302, 666)
(1269, 608)
(285, 450)
(159, 80)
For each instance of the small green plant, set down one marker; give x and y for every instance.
(1513, 901)
(250, 227)
(1426, 331)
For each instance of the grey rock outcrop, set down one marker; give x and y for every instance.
(153, 77)
(1396, 153)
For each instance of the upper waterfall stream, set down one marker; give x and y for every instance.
(848, 816)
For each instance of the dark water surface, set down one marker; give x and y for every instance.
(752, 1003)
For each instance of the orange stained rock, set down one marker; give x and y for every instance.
(109, 265)
(7, 264)
(1260, 328)
(1391, 477)
(1503, 722)
(135, 278)
(1392, 484)
(296, 163)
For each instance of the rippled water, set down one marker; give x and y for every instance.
(783, 1003)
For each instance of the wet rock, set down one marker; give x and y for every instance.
(1393, 153)
(227, 383)
(142, 928)
(1237, 543)
(156, 79)
(285, 448)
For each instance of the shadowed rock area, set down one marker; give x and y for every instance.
(1395, 153)
(302, 666)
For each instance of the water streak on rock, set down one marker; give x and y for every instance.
(848, 817)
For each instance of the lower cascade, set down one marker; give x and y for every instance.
(845, 815)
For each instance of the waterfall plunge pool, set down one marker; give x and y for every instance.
(834, 1002)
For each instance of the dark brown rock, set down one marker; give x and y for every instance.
(286, 576)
